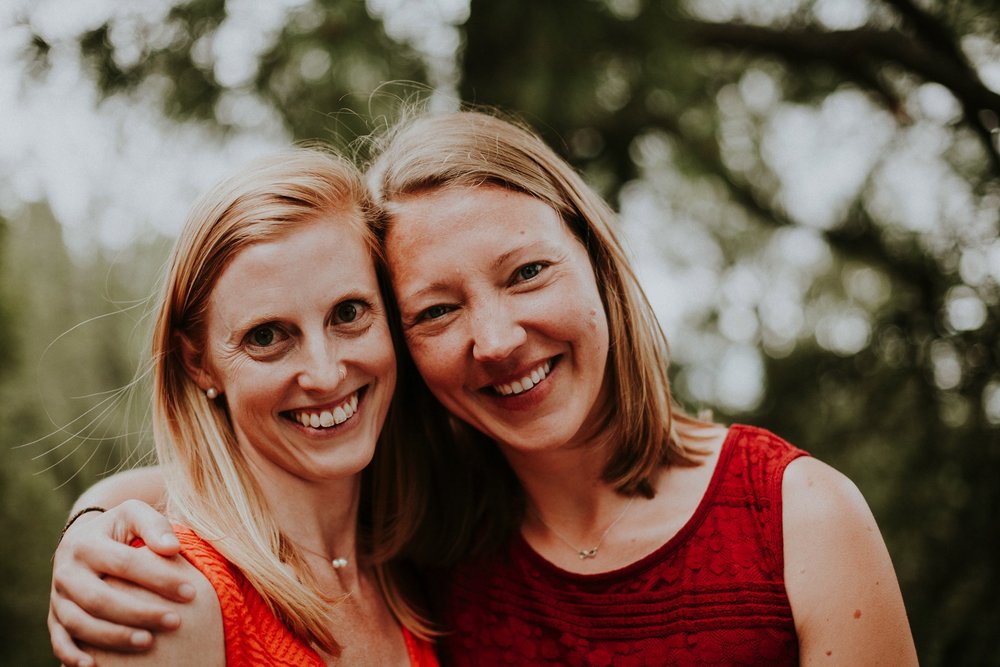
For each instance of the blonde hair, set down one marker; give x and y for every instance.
(209, 484)
(646, 430)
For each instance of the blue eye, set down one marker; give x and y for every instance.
(529, 271)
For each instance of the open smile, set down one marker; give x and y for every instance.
(329, 416)
(527, 382)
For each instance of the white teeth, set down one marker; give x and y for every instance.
(525, 383)
(328, 418)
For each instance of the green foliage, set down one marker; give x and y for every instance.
(318, 74)
(596, 83)
(67, 344)
(326, 72)
(609, 83)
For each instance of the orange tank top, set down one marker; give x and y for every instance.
(254, 636)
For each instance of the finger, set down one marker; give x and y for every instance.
(139, 566)
(100, 547)
(132, 606)
(128, 609)
(82, 628)
(63, 647)
(134, 518)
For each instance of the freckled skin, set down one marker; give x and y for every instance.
(833, 573)
(494, 324)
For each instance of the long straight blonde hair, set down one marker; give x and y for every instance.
(210, 487)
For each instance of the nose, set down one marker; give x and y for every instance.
(322, 367)
(495, 334)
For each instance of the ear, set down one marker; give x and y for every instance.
(192, 358)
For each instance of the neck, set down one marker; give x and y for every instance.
(322, 524)
(319, 517)
(565, 487)
(572, 523)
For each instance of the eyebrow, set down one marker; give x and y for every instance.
(496, 264)
(436, 286)
(542, 247)
(504, 257)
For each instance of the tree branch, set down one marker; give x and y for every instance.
(931, 29)
(858, 238)
(846, 49)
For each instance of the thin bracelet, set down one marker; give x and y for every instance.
(77, 516)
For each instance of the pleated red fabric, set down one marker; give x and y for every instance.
(714, 594)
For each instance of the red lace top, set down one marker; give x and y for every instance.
(714, 594)
(254, 636)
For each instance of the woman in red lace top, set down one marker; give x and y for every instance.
(581, 518)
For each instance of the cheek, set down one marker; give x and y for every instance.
(251, 390)
(433, 360)
(580, 320)
(598, 325)
(384, 358)
(250, 414)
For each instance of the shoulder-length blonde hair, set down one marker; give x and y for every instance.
(646, 431)
(209, 484)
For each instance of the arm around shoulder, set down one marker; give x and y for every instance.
(199, 640)
(145, 484)
(843, 591)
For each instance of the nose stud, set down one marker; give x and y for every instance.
(343, 373)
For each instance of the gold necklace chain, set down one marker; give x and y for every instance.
(585, 554)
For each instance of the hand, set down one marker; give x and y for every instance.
(86, 608)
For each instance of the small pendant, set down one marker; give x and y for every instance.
(338, 563)
(588, 553)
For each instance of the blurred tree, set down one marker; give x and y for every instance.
(71, 344)
(22, 611)
(912, 416)
(873, 318)
(316, 70)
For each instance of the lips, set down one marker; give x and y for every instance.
(329, 416)
(526, 382)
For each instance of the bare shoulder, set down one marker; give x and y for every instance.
(198, 641)
(813, 490)
(144, 484)
(845, 599)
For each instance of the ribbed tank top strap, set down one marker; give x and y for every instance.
(228, 584)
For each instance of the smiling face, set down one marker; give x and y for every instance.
(297, 343)
(501, 313)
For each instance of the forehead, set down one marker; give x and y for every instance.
(315, 260)
(470, 218)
